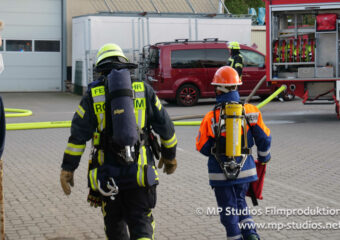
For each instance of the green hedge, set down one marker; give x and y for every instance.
(241, 6)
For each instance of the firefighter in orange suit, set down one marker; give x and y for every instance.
(230, 193)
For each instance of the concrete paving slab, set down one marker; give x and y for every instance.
(302, 174)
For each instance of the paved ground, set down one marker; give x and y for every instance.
(303, 174)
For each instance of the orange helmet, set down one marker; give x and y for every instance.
(226, 76)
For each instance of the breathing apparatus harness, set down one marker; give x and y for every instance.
(232, 117)
(102, 138)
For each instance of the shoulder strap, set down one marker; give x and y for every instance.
(98, 97)
(139, 103)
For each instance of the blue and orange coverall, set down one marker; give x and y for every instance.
(230, 194)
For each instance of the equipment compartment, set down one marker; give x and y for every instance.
(303, 44)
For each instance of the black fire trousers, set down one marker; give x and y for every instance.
(131, 208)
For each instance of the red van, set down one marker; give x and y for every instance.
(182, 71)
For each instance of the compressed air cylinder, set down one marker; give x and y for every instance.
(124, 125)
(233, 129)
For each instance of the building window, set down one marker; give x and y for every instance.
(46, 46)
(19, 45)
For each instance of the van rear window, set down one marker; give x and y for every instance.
(199, 58)
(153, 57)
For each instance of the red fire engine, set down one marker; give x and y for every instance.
(303, 48)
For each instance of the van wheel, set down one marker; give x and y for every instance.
(264, 97)
(171, 101)
(187, 95)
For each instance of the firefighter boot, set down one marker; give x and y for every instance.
(253, 237)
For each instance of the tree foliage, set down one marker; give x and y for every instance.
(241, 6)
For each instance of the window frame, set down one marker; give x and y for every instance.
(19, 40)
(50, 51)
(202, 61)
(246, 61)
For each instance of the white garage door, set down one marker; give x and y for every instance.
(31, 45)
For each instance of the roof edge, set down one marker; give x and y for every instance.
(174, 15)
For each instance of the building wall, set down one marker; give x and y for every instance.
(75, 8)
(258, 38)
(83, 7)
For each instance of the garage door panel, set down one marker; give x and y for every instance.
(46, 72)
(23, 6)
(31, 20)
(32, 59)
(31, 72)
(30, 85)
(27, 19)
(34, 27)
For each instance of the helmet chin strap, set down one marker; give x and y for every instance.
(224, 89)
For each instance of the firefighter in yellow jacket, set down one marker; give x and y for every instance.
(235, 60)
(120, 116)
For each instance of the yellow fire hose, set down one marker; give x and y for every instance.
(38, 125)
(260, 105)
(66, 124)
(19, 112)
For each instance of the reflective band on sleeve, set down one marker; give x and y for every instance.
(231, 61)
(80, 111)
(157, 178)
(158, 104)
(252, 117)
(153, 224)
(100, 157)
(142, 161)
(169, 143)
(104, 212)
(263, 154)
(74, 149)
(213, 125)
(93, 179)
(238, 65)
